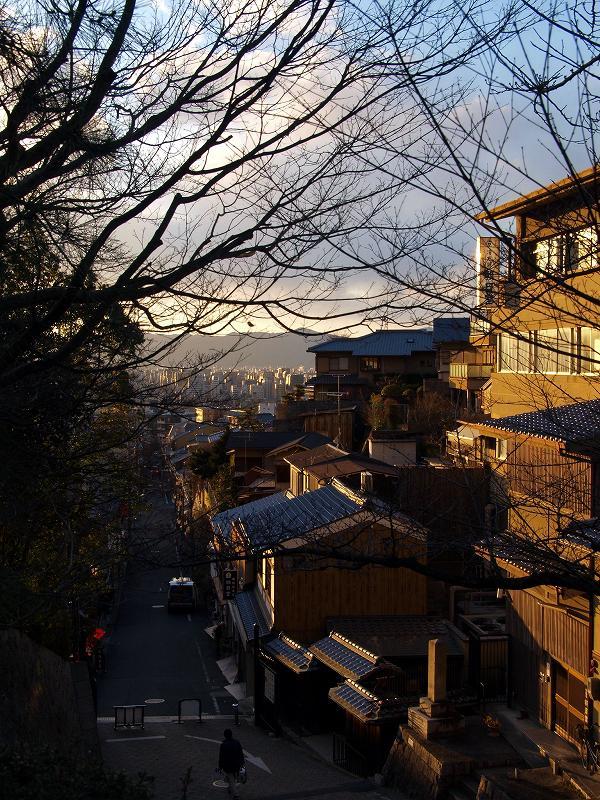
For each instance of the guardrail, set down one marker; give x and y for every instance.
(470, 370)
(129, 716)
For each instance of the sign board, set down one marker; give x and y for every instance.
(229, 583)
(269, 685)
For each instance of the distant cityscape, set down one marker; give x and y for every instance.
(240, 387)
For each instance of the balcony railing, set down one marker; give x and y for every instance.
(466, 371)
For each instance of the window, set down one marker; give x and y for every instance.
(267, 579)
(369, 364)
(337, 364)
(501, 449)
(553, 351)
(589, 360)
(514, 352)
(575, 250)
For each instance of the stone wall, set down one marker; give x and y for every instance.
(423, 769)
(44, 700)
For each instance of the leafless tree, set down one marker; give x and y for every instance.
(198, 163)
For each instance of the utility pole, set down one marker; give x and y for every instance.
(338, 394)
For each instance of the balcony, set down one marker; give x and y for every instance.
(471, 371)
(469, 377)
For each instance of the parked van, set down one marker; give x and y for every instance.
(182, 594)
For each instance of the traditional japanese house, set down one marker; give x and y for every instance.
(382, 663)
(296, 558)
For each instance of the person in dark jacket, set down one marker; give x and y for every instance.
(231, 760)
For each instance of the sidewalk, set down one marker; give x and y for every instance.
(277, 769)
(538, 745)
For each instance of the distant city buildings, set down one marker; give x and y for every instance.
(249, 386)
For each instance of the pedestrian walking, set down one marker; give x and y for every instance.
(231, 760)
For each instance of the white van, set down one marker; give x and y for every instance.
(182, 594)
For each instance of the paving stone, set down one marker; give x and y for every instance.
(277, 768)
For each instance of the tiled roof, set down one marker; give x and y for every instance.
(290, 653)
(451, 329)
(530, 557)
(249, 611)
(343, 656)
(402, 636)
(222, 522)
(308, 441)
(350, 466)
(298, 516)
(381, 343)
(259, 440)
(315, 456)
(365, 705)
(585, 533)
(326, 379)
(575, 422)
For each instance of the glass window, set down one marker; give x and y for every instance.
(548, 254)
(338, 363)
(501, 449)
(513, 353)
(369, 364)
(586, 248)
(564, 350)
(590, 350)
(546, 356)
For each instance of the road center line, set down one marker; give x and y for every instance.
(135, 739)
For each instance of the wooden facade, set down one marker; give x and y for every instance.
(306, 597)
(550, 650)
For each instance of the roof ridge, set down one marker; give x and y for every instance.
(361, 651)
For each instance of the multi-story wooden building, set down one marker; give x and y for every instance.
(355, 366)
(539, 289)
(538, 292)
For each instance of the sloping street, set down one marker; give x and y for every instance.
(154, 657)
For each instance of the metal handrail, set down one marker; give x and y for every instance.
(129, 716)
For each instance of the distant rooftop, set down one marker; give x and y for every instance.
(381, 343)
(315, 456)
(451, 329)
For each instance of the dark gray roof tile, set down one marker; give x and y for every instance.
(289, 652)
(250, 613)
(346, 658)
(381, 343)
(575, 422)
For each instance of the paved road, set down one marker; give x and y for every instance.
(153, 655)
(277, 769)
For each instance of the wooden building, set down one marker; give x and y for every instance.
(539, 291)
(296, 559)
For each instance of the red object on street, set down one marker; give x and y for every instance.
(99, 633)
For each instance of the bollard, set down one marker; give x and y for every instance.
(236, 713)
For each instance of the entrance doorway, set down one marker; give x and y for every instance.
(568, 702)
